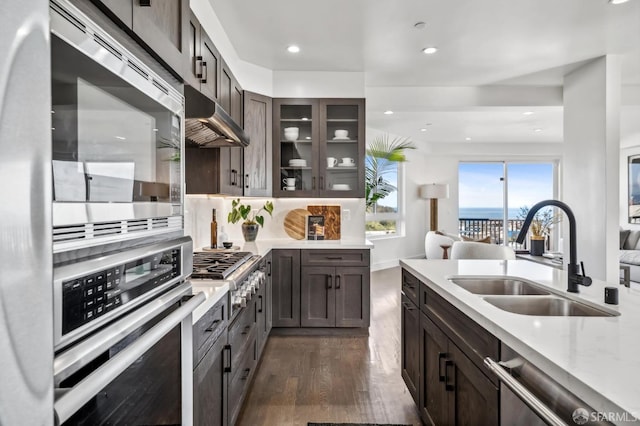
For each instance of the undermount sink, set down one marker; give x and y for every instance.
(550, 306)
(499, 286)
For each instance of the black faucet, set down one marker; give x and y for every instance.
(575, 277)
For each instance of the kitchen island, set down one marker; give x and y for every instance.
(594, 358)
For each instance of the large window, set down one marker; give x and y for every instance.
(494, 196)
(383, 218)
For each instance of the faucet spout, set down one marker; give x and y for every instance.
(575, 277)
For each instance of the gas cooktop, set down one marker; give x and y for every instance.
(218, 265)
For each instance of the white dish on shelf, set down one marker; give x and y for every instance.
(341, 187)
(340, 139)
(298, 163)
(346, 165)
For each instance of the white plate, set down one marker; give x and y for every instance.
(340, 139)
(346, 165)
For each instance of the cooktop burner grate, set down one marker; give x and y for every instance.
(217, 265)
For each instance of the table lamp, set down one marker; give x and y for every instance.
(434, 191)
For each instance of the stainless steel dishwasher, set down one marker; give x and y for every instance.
(529, 397)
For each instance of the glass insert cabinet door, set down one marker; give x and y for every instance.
(319, 149)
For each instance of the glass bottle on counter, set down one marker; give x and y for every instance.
(222, 236)
(214, 230)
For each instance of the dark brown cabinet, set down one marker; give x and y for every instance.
(410, 346)
(334, 297)
(286, 288)
(204, 63)
(452, 386)
(160, 26)
(231, 171)
(320, 143)
(258, 121)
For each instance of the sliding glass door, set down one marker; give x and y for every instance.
(494, 198)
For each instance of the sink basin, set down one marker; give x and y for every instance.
(499, 286)
(547, 307)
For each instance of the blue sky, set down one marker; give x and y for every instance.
(480, 184)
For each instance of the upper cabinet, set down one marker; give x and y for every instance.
(158, 24)
(257, 156)
(202, 70)
(319, 148)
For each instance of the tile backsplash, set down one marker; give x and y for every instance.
(197, 216)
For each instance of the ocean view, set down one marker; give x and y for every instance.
(485, 213)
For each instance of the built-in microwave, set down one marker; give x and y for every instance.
(117, 135)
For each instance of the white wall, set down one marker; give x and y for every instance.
(197, 216)
(591, 166)
(318, 84)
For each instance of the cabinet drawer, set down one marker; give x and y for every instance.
(208, 328)
(476, 342)
(241, 332)
(335, 257)
(241, 375)
(411, 287)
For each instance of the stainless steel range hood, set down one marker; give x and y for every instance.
(208, 125)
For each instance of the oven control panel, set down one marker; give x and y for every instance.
(88, 297)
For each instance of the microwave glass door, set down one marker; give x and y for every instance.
(112, 142)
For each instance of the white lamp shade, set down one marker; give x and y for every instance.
(434, 190)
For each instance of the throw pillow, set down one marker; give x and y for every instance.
(486, 239)
(624, 234)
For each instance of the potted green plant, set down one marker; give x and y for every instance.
(252, 219)
(540, 228)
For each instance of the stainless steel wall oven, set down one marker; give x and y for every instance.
(117, 135)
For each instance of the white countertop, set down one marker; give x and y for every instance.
(596, 358)
(213, 290)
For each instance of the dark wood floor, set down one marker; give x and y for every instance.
(336, 379)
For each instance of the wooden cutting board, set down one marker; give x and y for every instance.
(295, 223)
(331, 219)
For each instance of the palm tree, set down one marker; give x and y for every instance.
(382, 154)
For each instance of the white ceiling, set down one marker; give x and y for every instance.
(488, 42)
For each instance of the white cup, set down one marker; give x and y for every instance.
(331, 161)
(347, 161)
(289, 181)
(288, 188)
(341, 134)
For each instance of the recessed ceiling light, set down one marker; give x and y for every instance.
(423, 130)
(527, 113)
(122, 138)
(467, 139)
(429, 50)
(419, 25)
(293, 49)
(388, 112)
(618, 1)
(537, 130)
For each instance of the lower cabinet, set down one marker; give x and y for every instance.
(410, 346)
(334, 297)
(449, 386)
(263, 306)
(210, 382)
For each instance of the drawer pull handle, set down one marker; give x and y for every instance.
(212, 326)
(260, 308)
(227, 348)
(408, 306)
(441, 356)
(269, 263)
(329, 278)
(247, 371)
(335, 257)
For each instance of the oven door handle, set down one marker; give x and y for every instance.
(72, 399)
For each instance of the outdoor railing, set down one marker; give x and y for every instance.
(481, 228)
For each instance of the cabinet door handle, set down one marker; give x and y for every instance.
(269, 263)
(145, 3)
(246, 180)
(321, 182)
(449, 386)
(204, 72)
(260, 299)
(227, 369)
(199, 74)
(441, 356)
(313, 182)
(212, 326)
(329, 279)
(337, 281)
(234, 174)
